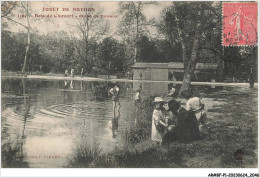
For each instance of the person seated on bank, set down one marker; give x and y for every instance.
(158, 121)
(195, 105)
(172, 91)
(187, 128)
(171, 120)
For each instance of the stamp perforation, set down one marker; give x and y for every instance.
(238, 25)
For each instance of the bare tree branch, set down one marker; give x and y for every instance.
(9, 10)
(16, 22)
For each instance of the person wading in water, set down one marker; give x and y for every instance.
(115, 98)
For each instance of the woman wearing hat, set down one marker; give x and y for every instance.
(171, 120)
(186, 126)
(158, 121)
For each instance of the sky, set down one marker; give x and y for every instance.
(43, 25)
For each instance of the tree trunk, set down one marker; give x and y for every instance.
(28, 39)
(27, 50)
(184, 54)
(135, 54)
(220, 69)
(191, 64)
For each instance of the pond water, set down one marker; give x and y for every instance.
(44, 120)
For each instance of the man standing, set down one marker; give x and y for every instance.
(141, 76)
(115, 98)
(251, 78)
(81, 73)
(72, 73)
(66, 73)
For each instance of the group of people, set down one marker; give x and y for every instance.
(72, 73)
(177, 123)
(170, 121)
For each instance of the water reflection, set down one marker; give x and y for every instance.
(65, 83)
(13, 153)
(115, 126)
(71, 84)
(25, 113)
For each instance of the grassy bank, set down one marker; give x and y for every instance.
(231, 141)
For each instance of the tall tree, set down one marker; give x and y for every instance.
(12, 51)
(111, 56)
(133, 22)
(91, 28)
(24, 8)
(191, 24)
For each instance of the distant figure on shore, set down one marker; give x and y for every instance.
(107, 77)
(81, 73)
(138, 96)
(251, 78)
(140, 76)
(66, 73)
(195, 105)
(170, 75)
(137, 99)
(115, 98)
(128, 75)
(158, 121)
(72, 73)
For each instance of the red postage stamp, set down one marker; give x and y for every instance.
(239, 24)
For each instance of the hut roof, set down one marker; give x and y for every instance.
(151, 65)
(174, 65)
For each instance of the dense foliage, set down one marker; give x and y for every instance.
(187, 32)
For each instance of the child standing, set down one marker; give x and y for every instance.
(158, 121)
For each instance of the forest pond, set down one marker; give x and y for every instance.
(44, 120)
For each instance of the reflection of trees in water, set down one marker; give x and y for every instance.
(84, 90)
(12, 154)
(100, 90)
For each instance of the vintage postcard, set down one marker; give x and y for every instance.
(130, 84)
